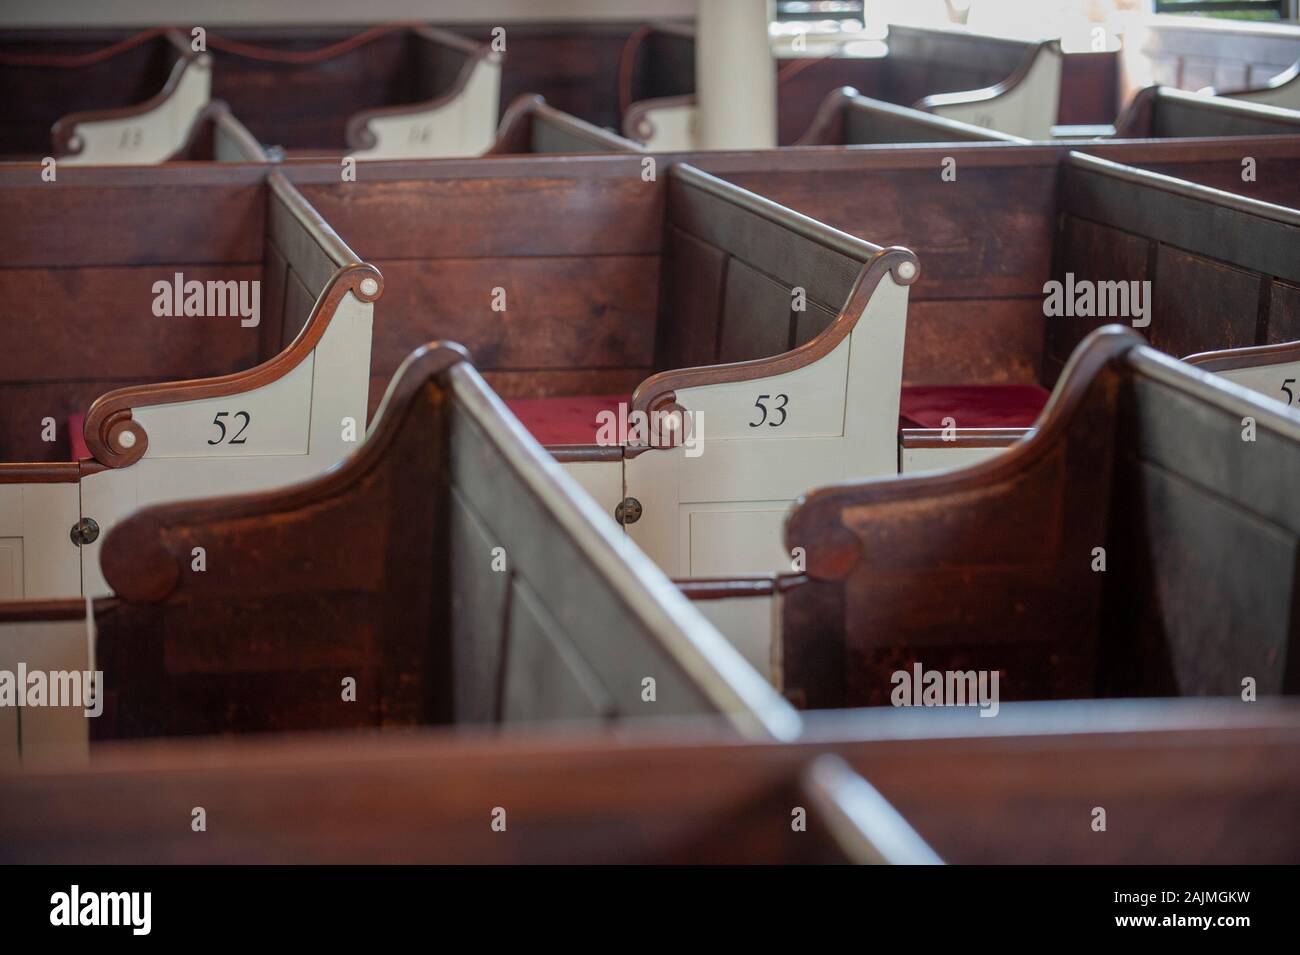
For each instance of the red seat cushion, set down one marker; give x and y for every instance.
(971, 406)
(568, 419)
(77, 440)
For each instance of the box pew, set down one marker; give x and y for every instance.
(1141, 542)
(980, 349)
(392, 91)
(1009, 85)
(530, 125)
(267, 384)
(847, 118)
(447, 572)
(1225, 280)
(99, 99)
(1181, 782)
(681, 295)
(1162, 112)
(432, 798)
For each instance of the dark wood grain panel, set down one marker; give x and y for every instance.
(75, 324)
(561, 312)
(65, 225)
(974, 341)
(1283, 313)
(756, 315)
(987, 234)
(1200, 304)
(609, 214)
(690, 306)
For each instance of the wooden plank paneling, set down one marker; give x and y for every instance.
(976, 341)
(64, 224)
(1283, 313)
(690, 305)
(987, 234)
(470, 217)
(560, 312)
(756, 317)
(1201, 305)
(80, 323)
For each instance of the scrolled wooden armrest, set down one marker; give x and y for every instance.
(143, 556)
(358, 133)
(658, 392)
(116, 440)
(63, 133)
(817, 516)
(827, 126)
(636, 122)
(965, 97)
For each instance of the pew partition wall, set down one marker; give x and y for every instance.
(197, 330)
(448, 570)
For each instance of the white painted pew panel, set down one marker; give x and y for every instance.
(34, 735)
(1028, 108)
(298, 425)
(603, 480)
(843, 416)
(154, 135)
(1281, 382)
(37, 556)
(465, 126)
(670, 127)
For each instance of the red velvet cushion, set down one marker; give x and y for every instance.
(76, 424)
(971, 406)
(568, 419)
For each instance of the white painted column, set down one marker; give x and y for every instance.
(735, 78)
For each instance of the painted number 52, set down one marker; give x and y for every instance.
(220, 422)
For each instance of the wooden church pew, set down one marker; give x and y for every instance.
(100, 99)
(847, 118)
(1139, 543)
(1008, 85)
(1224, 278)
(435, 799)
(1159, 112)
(991, 239)
(266, 384)
(628, 311)
(1179, 782)
(448, 571)
(392, 91)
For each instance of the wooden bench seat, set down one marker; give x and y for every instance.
(1178, 784)
(101, 98)
(254, 387)
(448, 571)
(397, 90)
